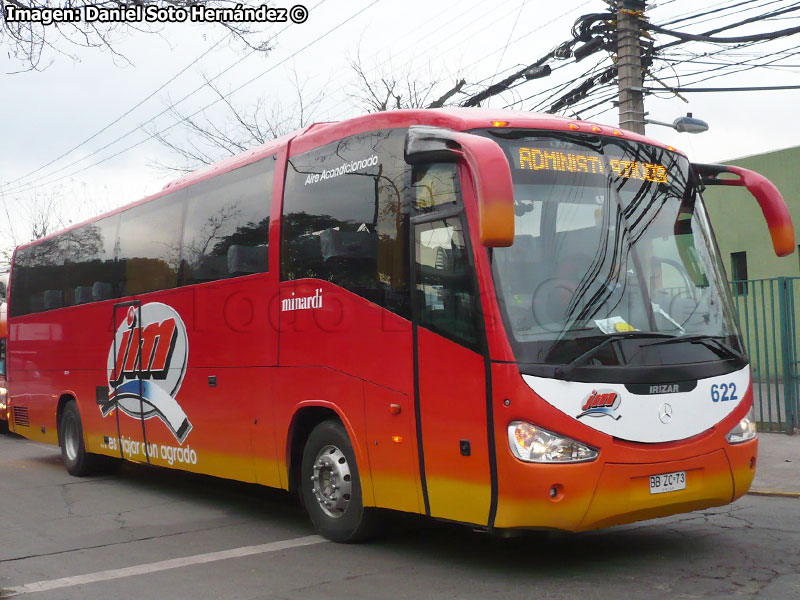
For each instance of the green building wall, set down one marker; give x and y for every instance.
(739, 224)
(770, 331)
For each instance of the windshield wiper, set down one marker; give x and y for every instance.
(565, 370)
(714, 343)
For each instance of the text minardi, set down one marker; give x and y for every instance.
(303, 302)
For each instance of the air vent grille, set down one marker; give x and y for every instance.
(21, 418)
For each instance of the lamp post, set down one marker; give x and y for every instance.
(687, 124)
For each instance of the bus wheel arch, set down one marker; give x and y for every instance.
(62, 402)
(303, 423)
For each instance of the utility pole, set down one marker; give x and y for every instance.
(629, 64)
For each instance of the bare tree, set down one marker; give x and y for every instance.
(36, 217)
(30, 42)
(205, 140)
(378, 89)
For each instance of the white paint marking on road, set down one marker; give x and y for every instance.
(164, 565)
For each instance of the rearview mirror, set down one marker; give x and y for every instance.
(776, 213)
(491, 175)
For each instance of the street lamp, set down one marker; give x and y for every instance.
(687, 124)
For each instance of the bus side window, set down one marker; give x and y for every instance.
(435, 186)
(149, 245)
(226, 232)
(344, 219)
(444, 282)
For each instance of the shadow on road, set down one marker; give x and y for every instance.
(415, 538)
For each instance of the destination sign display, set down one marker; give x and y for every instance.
(541, 159)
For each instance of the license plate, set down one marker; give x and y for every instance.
(667, 482)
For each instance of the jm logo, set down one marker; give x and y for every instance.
(146, 365)
(601, 403)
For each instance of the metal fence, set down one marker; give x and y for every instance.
(768, 314)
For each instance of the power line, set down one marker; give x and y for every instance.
(764, 88)
(119, 118)
(248, 82)
(138, 127)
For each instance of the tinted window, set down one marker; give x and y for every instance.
(64, 270)
(343, 217)
(435, 186)
(227, 224)
(142, 250)
(444, 281)
(149, 244)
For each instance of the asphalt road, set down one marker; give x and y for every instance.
(151, 533)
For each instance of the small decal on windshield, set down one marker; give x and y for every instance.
(614, 325)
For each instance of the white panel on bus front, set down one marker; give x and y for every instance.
(663, 415)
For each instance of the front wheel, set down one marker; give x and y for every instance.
(73, 450)
(330, 486)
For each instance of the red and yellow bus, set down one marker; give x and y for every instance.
(503, 319)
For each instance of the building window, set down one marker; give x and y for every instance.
(739, 268)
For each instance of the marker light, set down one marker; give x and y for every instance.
(618, 133)
(530, 443)
(744, 431)
(597, 129)
(574, 127)
(499, 123)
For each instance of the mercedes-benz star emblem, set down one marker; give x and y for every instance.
(665, 413)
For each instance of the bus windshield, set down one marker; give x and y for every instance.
(612, 251)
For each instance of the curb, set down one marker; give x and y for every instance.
(774, 493)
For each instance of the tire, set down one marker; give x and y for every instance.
(3, 426)
(330, 487)
(78, 462)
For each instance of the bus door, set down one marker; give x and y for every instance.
(125, 402)
(450, 381)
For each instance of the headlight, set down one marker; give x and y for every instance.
(534, 444)
(745, 430)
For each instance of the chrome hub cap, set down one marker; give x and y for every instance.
(332, 481)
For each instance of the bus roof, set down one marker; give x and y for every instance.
(319, 134)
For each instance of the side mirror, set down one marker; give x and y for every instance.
(487, 163)
(776, 213)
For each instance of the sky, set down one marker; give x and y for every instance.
(54, 111)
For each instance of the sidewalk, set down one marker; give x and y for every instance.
(778, 466)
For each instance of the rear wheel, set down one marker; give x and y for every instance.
(331, 488)
(73, 450)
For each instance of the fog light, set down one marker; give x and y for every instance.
(744, 431)
(534, 444)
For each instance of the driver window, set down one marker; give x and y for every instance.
(444, 284)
